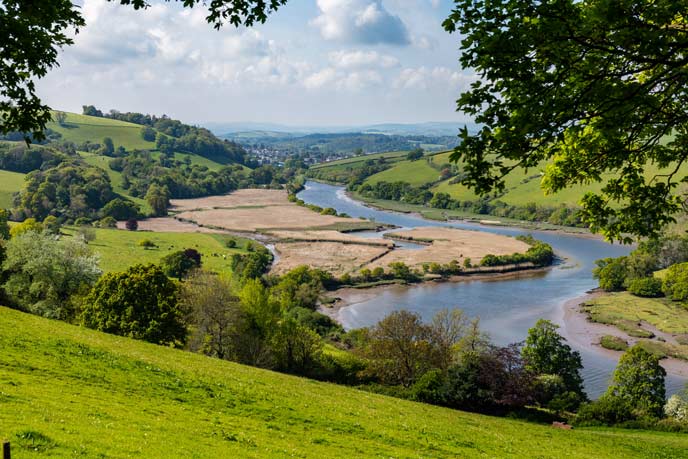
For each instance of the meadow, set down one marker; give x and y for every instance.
(10, 183)
(119, 249)
(67, 392)
(82, 128)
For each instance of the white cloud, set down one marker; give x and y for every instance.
(356, 59)
(424, 78)
(360, 21)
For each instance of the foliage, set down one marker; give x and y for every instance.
(546, 353)
(646, 287)
(574, 84)
(301, 287)
(147, 244)
(28, 225)
(677, 407)
(296, 348)
(675, 284)
(121, 209)
(539, 254)
(611, 273)
(606, 411)
(179, 264)
(139, 303)
(22, 158)
(415, 154)
(132, 224)
(43, 272)
(158, 197)
(253, 264)
(639, 380)
(71, 190)
(4, 224)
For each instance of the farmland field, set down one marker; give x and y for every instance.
(10, 183)
(67, 391)
(82, 128)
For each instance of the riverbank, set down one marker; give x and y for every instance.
(586, 334)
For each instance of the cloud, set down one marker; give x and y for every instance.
(360, 21)
(358, 59)
(424, 78)
(351, 81)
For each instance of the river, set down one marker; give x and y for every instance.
(506, 307)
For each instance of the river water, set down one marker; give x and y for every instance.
(506, 307)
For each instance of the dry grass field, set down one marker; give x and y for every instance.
(335, 257)
(330, 236)
(447, 244)
(239, 198)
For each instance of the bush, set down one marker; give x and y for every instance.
(611, 273)
(179, 264)
(613, 343)
(132, 224)
(107, 222)
(607, 411)
(430, 388)
(147, 244)
(675, 284)
(647, 287)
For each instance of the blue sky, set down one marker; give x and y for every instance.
(315, 62)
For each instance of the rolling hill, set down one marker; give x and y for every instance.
(66, 391)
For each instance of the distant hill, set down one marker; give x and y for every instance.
(66, 391)
(440, 128)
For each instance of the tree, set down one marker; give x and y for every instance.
(400, 348)
(108, 148)
(4, 224)
(675, 285)
(132, 224)
(33, 32)
(639, 380)
(44, 271)
(60, 118)
(611, 273)
(415, 154)
(140, 303)
(120, 209)
(296, 348)
(158, 197)
(179, 264)
(52, 224)
(214, 314)
(546, 353)
(148, 133)
(589, 91)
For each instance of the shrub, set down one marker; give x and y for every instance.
(82, 221)
(30, 224)
(132, 224)
(675, 284)
(647, 287)
(430, 388)
(613, 343)
(231, 243)
(611, 273)
(107, 222)
(607, 411)
(178, 264)
(677, 407)
(147, 244)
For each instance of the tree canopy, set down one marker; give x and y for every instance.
(588, 91)
(32, 33)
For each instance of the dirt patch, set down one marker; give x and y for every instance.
(169, 225)
(330, 236)
(447, 244)
(240, 198)
(335, 257)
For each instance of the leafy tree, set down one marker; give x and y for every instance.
(296, 348)
(121, 209)
(132, 224)
(400, 348)
(28, 225)
(639, 380)
(675, 283)
(611, 273)
(158, 198)
(108, 147)
(33, 32)
(43, 272)
(179, 264)
(140, 303)
(60, 118)
(648, 287)
(415, 154)
(591, 91)
(677, 407)
(214, 314)
(4, 224)
(148, 133)
(546, 353)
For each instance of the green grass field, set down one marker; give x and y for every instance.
(414, 172)
(80, 128)
(390, 156)
(119, 249)
(66, 391)
(10, 183)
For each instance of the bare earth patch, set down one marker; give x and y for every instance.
(239, 198)
(334, 257)
(449, 244)
(169, 225)
(330, 236)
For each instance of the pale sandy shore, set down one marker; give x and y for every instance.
(586, 334)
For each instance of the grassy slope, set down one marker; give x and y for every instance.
(80, 128)
(119, 249)
(10, 182)
(78, 392)
(414, 172)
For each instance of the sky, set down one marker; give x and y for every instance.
(315, 63)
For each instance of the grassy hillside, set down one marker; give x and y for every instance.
(66, 391)
(10, 182)
(80, 128)
(119, 249)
